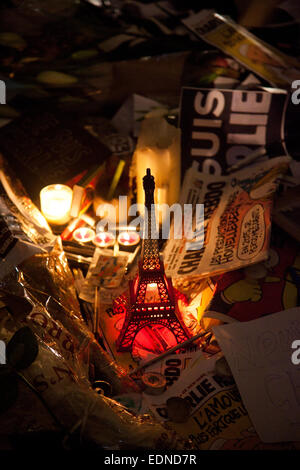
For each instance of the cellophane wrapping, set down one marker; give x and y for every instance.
(39, 292)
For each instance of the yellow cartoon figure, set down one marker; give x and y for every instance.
(259, 289)
(250, 287)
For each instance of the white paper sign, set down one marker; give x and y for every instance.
(259, 353)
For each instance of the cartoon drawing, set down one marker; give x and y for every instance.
(260, 289)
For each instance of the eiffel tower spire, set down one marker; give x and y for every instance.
(150, 250)
(152, 299)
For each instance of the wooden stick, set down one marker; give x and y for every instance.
(95, 322)
(169, 351)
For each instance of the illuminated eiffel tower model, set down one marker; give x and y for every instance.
(151, 294)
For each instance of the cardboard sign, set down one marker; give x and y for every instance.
(259, 353)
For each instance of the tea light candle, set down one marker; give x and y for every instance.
(56, 200)
(84, 234)
(128, 238)
(104, 239)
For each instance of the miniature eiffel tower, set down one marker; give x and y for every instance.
(152, 299)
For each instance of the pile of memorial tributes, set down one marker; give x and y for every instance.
(112, 335)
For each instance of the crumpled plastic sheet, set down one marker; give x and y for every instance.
(40, 293)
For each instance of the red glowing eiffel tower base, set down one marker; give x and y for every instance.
(151, 295)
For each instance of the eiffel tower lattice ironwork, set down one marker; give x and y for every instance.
(151, 294)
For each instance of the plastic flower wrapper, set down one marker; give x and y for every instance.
(38, 297)
(74, 405)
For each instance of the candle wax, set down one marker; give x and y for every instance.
(128, 238)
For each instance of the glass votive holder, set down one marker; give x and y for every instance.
(56, 201)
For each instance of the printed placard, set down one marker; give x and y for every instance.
(217, 417)
(222, 127)
(269, 63)
(237, 220)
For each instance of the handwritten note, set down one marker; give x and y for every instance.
(259, 354)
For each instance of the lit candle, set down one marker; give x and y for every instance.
(104, 239)
(158, 148)
(84, 234)
(56, 201)
(128, 238)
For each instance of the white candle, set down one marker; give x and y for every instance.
(128, 238)
(158, 148)
(56, 200)
(162, 199)
(104, 239)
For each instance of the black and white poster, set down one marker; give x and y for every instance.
(222, 127)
